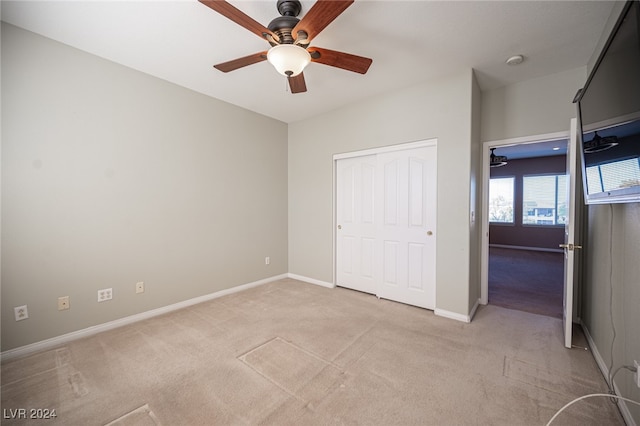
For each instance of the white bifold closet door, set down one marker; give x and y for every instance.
(386, 217)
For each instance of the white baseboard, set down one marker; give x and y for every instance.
(90, 331)
(439, 312)
(311, 280)
(594, 350)
(604, 368)
(551, 250)
(453, 315)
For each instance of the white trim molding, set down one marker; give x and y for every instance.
(454, 315)
(90, 331)
(311, 280)
(484, 235)
(387, 148)
(604, 369)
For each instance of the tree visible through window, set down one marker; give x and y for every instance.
(501, 200)
(544, 200)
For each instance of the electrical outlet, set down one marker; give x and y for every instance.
(267, 260)
(21, 312)
(63, 303)
(637, 365)
(139, 287)
(105, 294)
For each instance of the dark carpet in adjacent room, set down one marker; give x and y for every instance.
(526, 280)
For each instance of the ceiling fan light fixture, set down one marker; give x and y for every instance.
(497, 160)
(288, 59)
(599, 143)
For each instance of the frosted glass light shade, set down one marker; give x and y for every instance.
(288, 59)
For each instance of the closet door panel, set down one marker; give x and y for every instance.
(386, 219)
(356, 218)
(412, 175)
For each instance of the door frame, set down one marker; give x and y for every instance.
(571, 235)
(484, 237)
(361, 153)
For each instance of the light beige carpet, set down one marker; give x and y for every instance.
(294, 353)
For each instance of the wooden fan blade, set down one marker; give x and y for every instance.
(239, 17)
(346, 61)
(241, 62)
(297, 83)
(321, 14)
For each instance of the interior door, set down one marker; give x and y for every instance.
(407, 229)
(356, 218)
(570, 235)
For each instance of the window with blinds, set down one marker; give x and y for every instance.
(614, 175)
(544, 200)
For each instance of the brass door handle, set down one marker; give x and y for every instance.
(429, 233)
(570, 246)
(339, 226)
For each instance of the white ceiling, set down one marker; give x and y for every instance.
(409, 42)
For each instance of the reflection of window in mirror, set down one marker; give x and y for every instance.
(609, 113)
(612, 158)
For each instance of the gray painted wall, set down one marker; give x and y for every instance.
(438, 109)
(543, 106)
(111, 176)
(475, 197)
(533, 107)
(611, 302)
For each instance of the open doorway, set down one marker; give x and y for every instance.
(525, 206)
(526, 280)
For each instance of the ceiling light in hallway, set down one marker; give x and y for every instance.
(515, 60)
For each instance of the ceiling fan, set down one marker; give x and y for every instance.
(290, 37)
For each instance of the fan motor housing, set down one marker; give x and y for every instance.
(282, 25)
